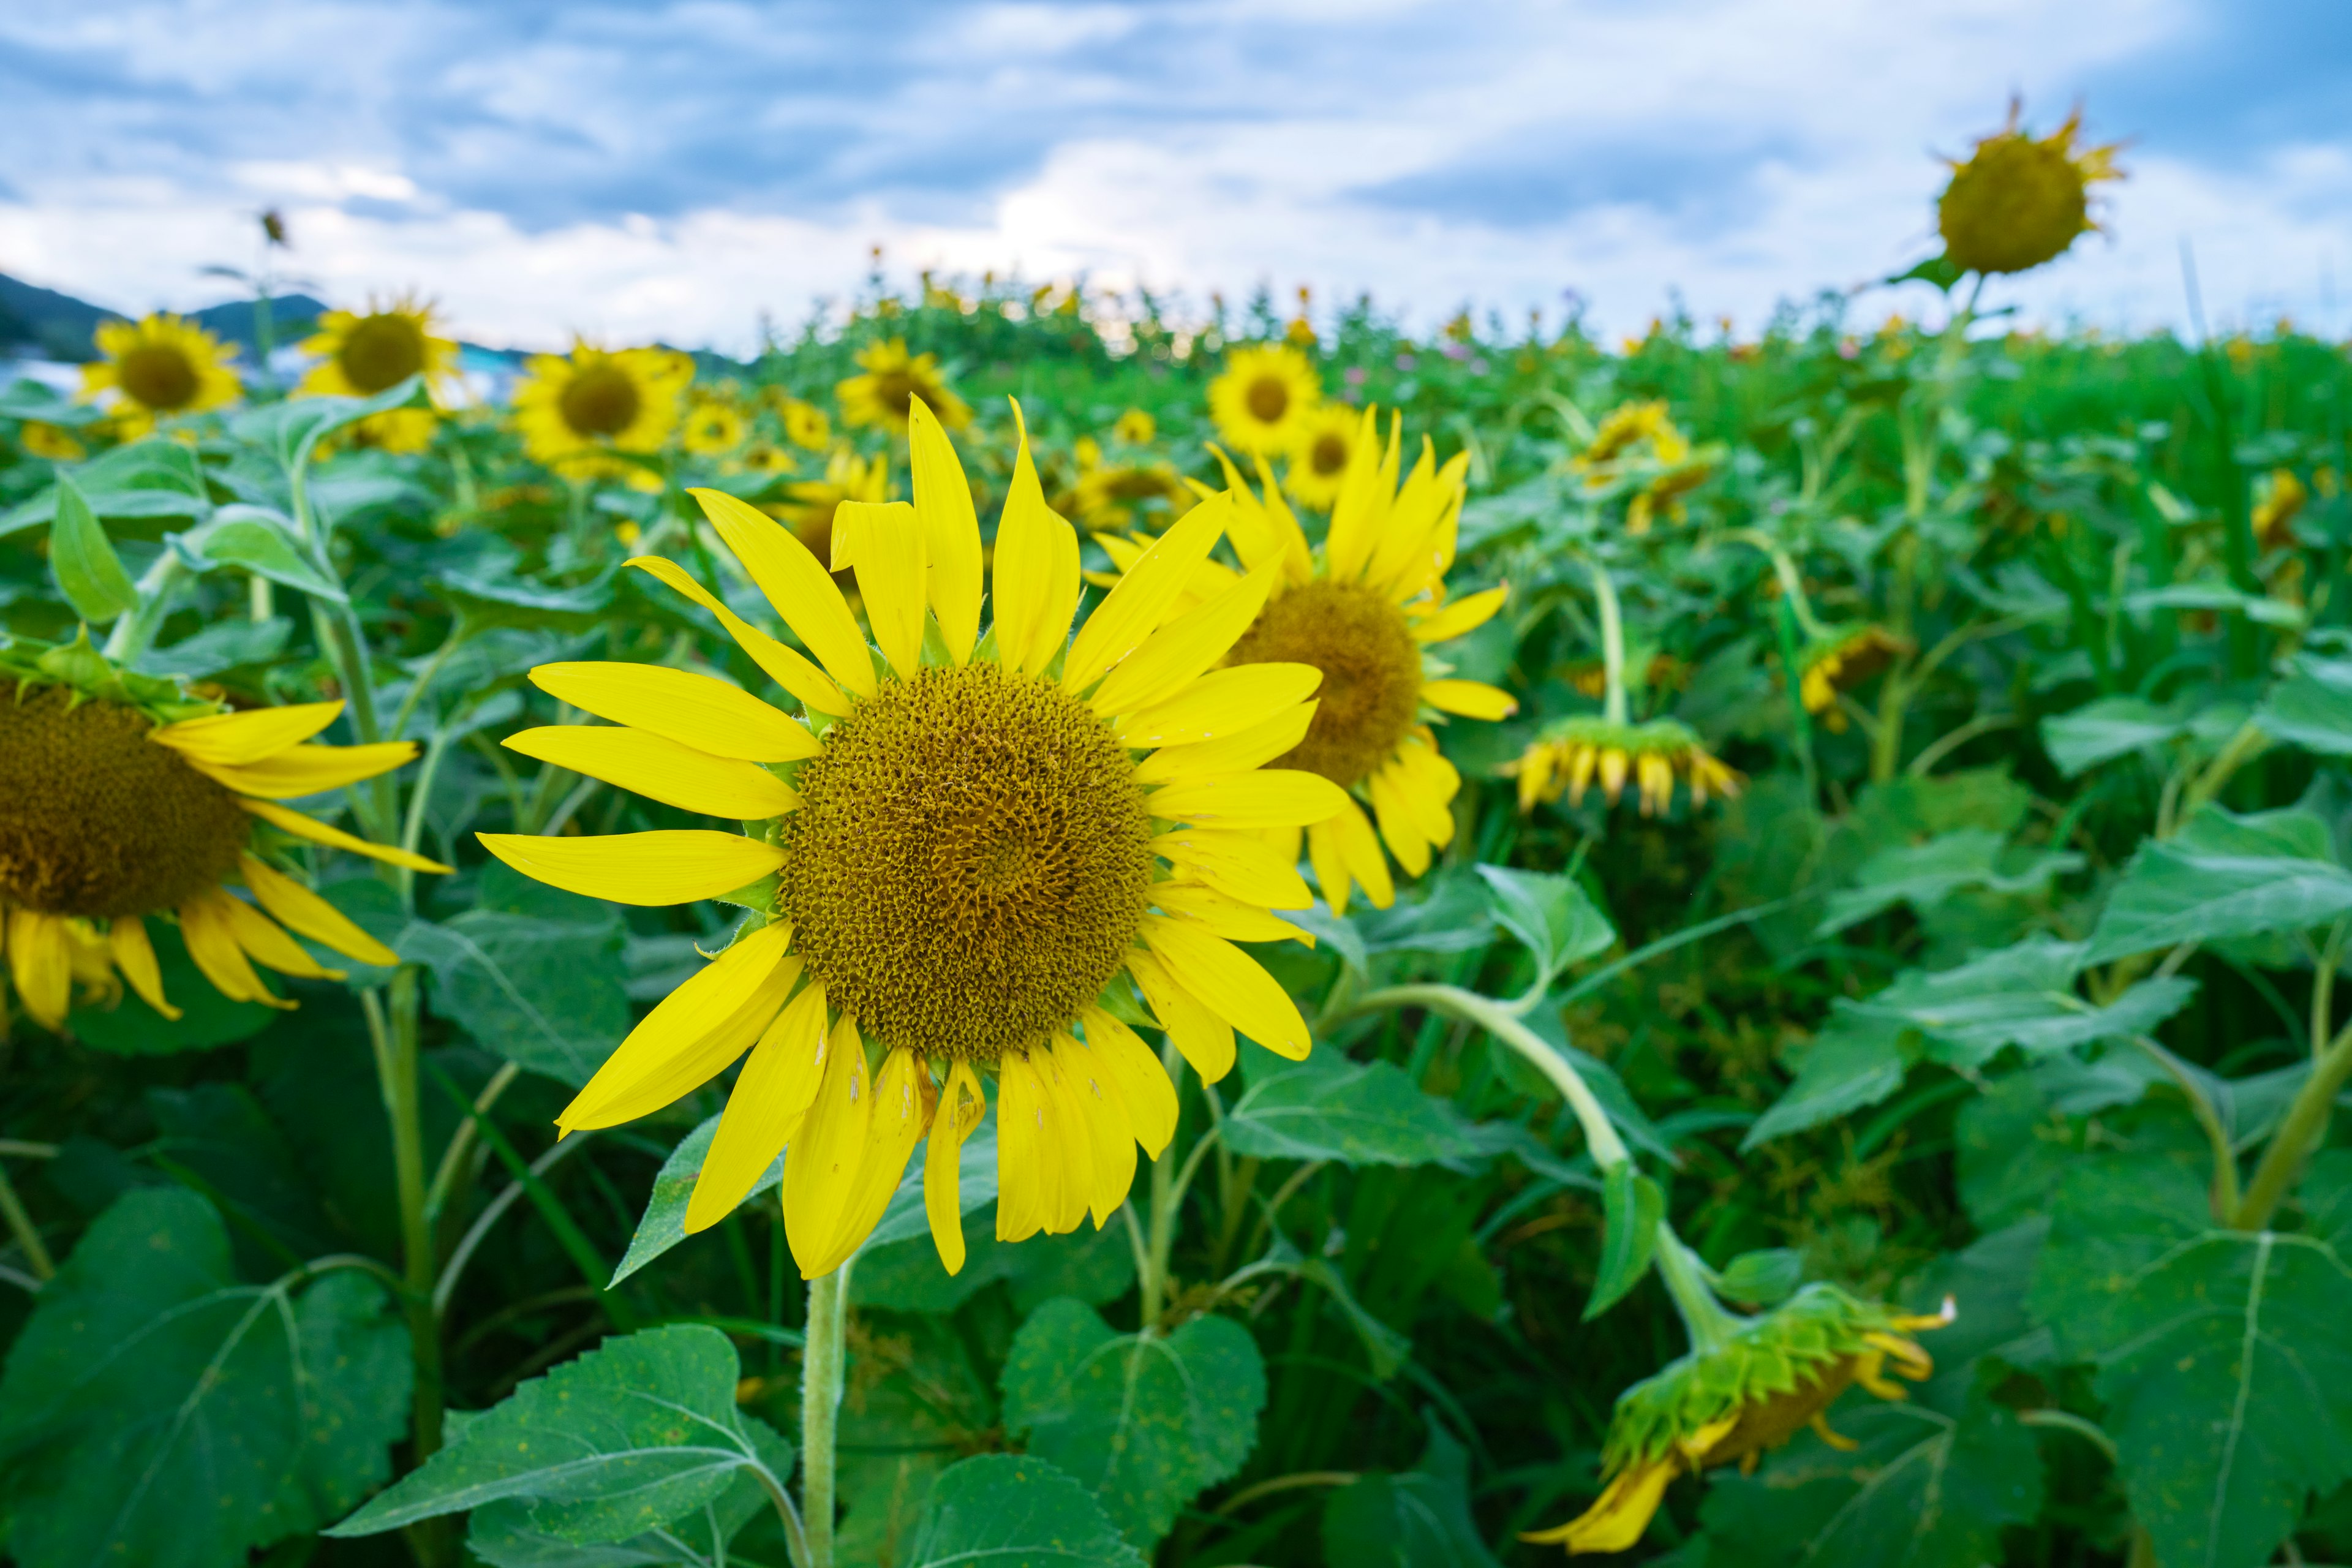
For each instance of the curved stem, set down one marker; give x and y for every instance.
(1614, 707)
(821, 1409)
(1710, 1327)
(2200, 1105)
(2067, 1421)
(461, 1143)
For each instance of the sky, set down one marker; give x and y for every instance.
(675, 169)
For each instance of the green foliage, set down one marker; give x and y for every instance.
(1019, 1512)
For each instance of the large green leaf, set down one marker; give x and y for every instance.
(89, 572)
(1856, 1060)
(1553, 917)
(1420, 1518)
(2022, 996)
(2118, 726)
(259, 540)
(156, 1411)
(1148, 1422)
(545, 994)
(1330, 1108)
(2222, 1356)
(1924, 875)
(638, 1432)
(1012, 1510)
(2312, 708)
(2223, 876)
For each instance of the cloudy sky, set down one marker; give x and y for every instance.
(673, 168)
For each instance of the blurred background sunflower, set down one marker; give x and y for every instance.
(364, 353)
(576, 410)
(158, 367)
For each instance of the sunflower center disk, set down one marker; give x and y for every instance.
(1372, 674)
(600, 401)
(158, 376)
(382, 351)
(1329, 456)
(1269, 399)
(100, 820)
(970, 862)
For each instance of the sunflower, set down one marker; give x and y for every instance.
(1108, 496)
(576, 410)
(1136, 427)
(158, 367)
(1568, 756)
(815, 502)
(1775, 1375)
(1639, 443)
(766, 458)
(127, 800)
(2278, 499)
(957, 857)
(1632, 427)
(55, 442)
(360, 356)
(1320, 463)
(1261, 401)
(712, 428)
(893, 381)
(806, 426)
(2016, 202)
(1841, 661)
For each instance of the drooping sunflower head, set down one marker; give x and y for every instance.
(1778, 1374)
(159, 367)
(127, 801)
(576, 410)
(1568, 757)
(713, 428)
(975, 853)
(362, 355)
(1843, 661)
(1644, 428)
(1262, 400)
(815, 502)
(1319, 464)
(2018, 200)
(892, 382)
(2279, 499)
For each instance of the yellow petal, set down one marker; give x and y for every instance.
(1093, 1094)
(675, 1033)
(1265, 530)
(1021, 1203)
(234, 740)
(294, 905)
(770, 1095)
(1146, 595)
(1239, 750)
(1408, 543)
(1033, 550)
(673, 865)
(698, 711)
(1618, 1517)
(1069, 1143)
(660, 769)
(39, 962)
(1399, 829)
(204, 926)
(1361, 852)
(1471, 699)
(890, 576)
(1231, 982)
(267, 943)
(1426, 573)
(1171, 656)
(820, 1167)
(950, 534)
(1330, 865)
(134, 956)
(1464, 614)
(812, 687)
(306, 770)
(289, 821)
(900, 1097)
(961, 1105)
(1263, 797)
(1143, 1087)
(1229, 918)
(1242, 865)
(801, 590)
(1428, 785)
(1223, 702)
(1205, 1039)
(1361, 506)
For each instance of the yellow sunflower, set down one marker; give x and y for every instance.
(42, 439)
(806, 426)
(713, 429)
(1568, 756)
(1840, 661)
(765, 457)
(576, 410)
(130, 800)
(1631, 427)
(2279, 498)
(894, 381)
(361, 355)
(1320, 464)
(816, 502)
(964, 855)
(2016, 202)
(1136, 427)
(156, 368)
(1261, 402)
(1108, 496)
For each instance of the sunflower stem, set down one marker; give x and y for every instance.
(821, 1366)
(2304, 1125)
(1684, 1275)
(1614, 706)
(1167, 1192)
(395, 1040)
(134, 633)
(28, 1235)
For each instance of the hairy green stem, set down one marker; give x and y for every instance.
(396, 1040)
(1710, 1327)
(821, 1367)
(1614, 706)
(2297, 1136)
(134, 631)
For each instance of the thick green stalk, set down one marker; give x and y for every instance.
(821, 1368)
(1709, 1326)
(28, 1235)
(397, 1042)
(2298, 1135)
(134, 632)
(1792, 677)
(1614, 707)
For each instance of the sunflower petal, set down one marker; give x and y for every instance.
(1229, 918)
(1263, 530)
(1400, 825)
(688, 1016)
(770, 1095)
(134, 956)
(1069, 1142)
(961, 1105)
(306, 770)
(1020, 1152)
(1202, 1036)
(671, 866)
(1471, 699)
(901, 1094)
(698, 711)
(950, 534)
(890, 575)
(1095, 1090)
(1361, 506)
(1230, 982)
(1171, 656)
(287, 820)
(1036, 571)
(1147, 594)
(212, 942)
(1463, 616)
(812, 686)
(1330, 865)
(1261, 797)
(801, 590)
(40, 962)
(1143, 1086)
(660, 769)
(1238, 751)
(1219, 703)
(821, 1166)
(1241, 865)
(234, 739)
(267, 942)
(294, 905)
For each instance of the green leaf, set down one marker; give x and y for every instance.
(291, 431)
(255, 539)
(1550, 915)
(1856, 1060)
(1631, 1207)
(2221, 1356)
(638, 1432)
(2312, 708)
(1097, 1267)
(1924, 875)
(1147, 1422)
(2113, 727)
(2022, 996)
(1330, 1108)
(1938, 269)
(1764, 1277)
(2223, 876)
(223, 645)
(1016, 1511)
(545, 994)
(156, 1411)
(207, 1018)
(87, 571)
(1417, 1520)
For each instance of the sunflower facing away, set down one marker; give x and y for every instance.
(55, 442)
(961, 857)
(361, 355)
(1841, 660)
(1261, 402)
(2017, 202)
(576, 410)
(893, 381)
(156, 368)
(1567, 758)
(1776, 1374)
(1320, 464)
(129, 801)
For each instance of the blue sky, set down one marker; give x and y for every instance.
(674, 169)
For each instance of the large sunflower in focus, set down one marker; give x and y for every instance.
(1262, 401)
(159, 367)
(892, 383)
(361, 355)
(962, 856)
(129, 802)
(2017, 201)
(576, 410)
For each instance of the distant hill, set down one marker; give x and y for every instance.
(58, 326)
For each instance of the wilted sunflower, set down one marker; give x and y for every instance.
(1261, 402)
(576, 410)
(1776, 1374)
(1841, 661)
(1630, 427)
(712, 428)
(54, 442)
(1568, 756)
(2278, 499)
(159, 367)
(893, 381)
(1639, 442)
(806, 426)
(2016, 202)
(814, 503)
(956, 856)
(130, 800)
(1320, 463)
(361, 355)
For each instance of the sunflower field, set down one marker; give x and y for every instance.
(1037, 930)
